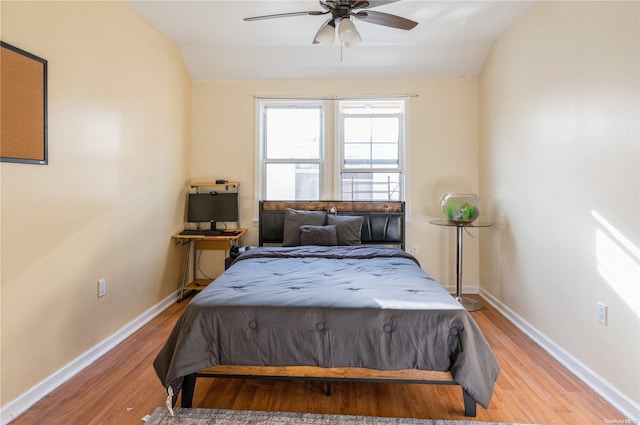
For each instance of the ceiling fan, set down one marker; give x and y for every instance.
(341, 13)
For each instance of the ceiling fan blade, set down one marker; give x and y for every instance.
(285, 15)
(328, 4)
(385, 19)
(368, 4)
(360, 4)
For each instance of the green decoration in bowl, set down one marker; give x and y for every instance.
(460, 208)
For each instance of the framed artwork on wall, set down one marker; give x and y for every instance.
(23, 106)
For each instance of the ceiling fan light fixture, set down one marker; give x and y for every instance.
(327, 34)
(353, 43)
(348, 33)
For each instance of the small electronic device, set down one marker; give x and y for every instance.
(221, 181)
(236, 251)
(212, 207)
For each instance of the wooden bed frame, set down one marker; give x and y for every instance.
(383, 225)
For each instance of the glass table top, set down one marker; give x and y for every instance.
(443, 222)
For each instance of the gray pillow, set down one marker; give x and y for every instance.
(318, 235)
(348, 228)
(293, 219)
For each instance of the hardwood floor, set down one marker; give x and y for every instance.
(121, 388)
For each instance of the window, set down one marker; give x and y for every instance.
(366, 136)
(371, 137)
(292, 149)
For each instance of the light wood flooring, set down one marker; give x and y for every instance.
(121, 387)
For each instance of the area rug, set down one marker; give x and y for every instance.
(246, 417)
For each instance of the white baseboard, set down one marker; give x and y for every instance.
(18, 406)
(627, 407)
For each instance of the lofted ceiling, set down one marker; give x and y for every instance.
(451, 40)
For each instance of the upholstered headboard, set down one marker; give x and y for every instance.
(383, 221)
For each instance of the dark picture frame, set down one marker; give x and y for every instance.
(23, 106)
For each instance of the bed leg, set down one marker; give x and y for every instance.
(469, 404)
(328, 393)
(188, 388)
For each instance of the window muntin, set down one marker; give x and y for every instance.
(371, 142)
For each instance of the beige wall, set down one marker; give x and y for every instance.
(104, 207)
(443, 132)
(560, 167)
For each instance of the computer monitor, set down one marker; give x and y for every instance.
(212, 207)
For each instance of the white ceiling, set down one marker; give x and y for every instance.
(451, 39)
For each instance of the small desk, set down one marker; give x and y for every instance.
(468, 303)
(195, 242)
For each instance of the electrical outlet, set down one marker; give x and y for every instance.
(602, 313)
(414, 249)
(102, 288)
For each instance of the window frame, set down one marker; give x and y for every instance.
(332, 146)
(262, 161)
(340, 169)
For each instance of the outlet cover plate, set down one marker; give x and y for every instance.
(602, 313)
(102, 288)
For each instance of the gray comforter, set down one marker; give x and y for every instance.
(361, 306)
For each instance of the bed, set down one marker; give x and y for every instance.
(329, 303)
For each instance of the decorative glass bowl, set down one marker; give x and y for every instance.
(460, 208)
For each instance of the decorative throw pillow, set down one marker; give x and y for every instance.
(293, 219)
(318, 235)
(348, 228)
